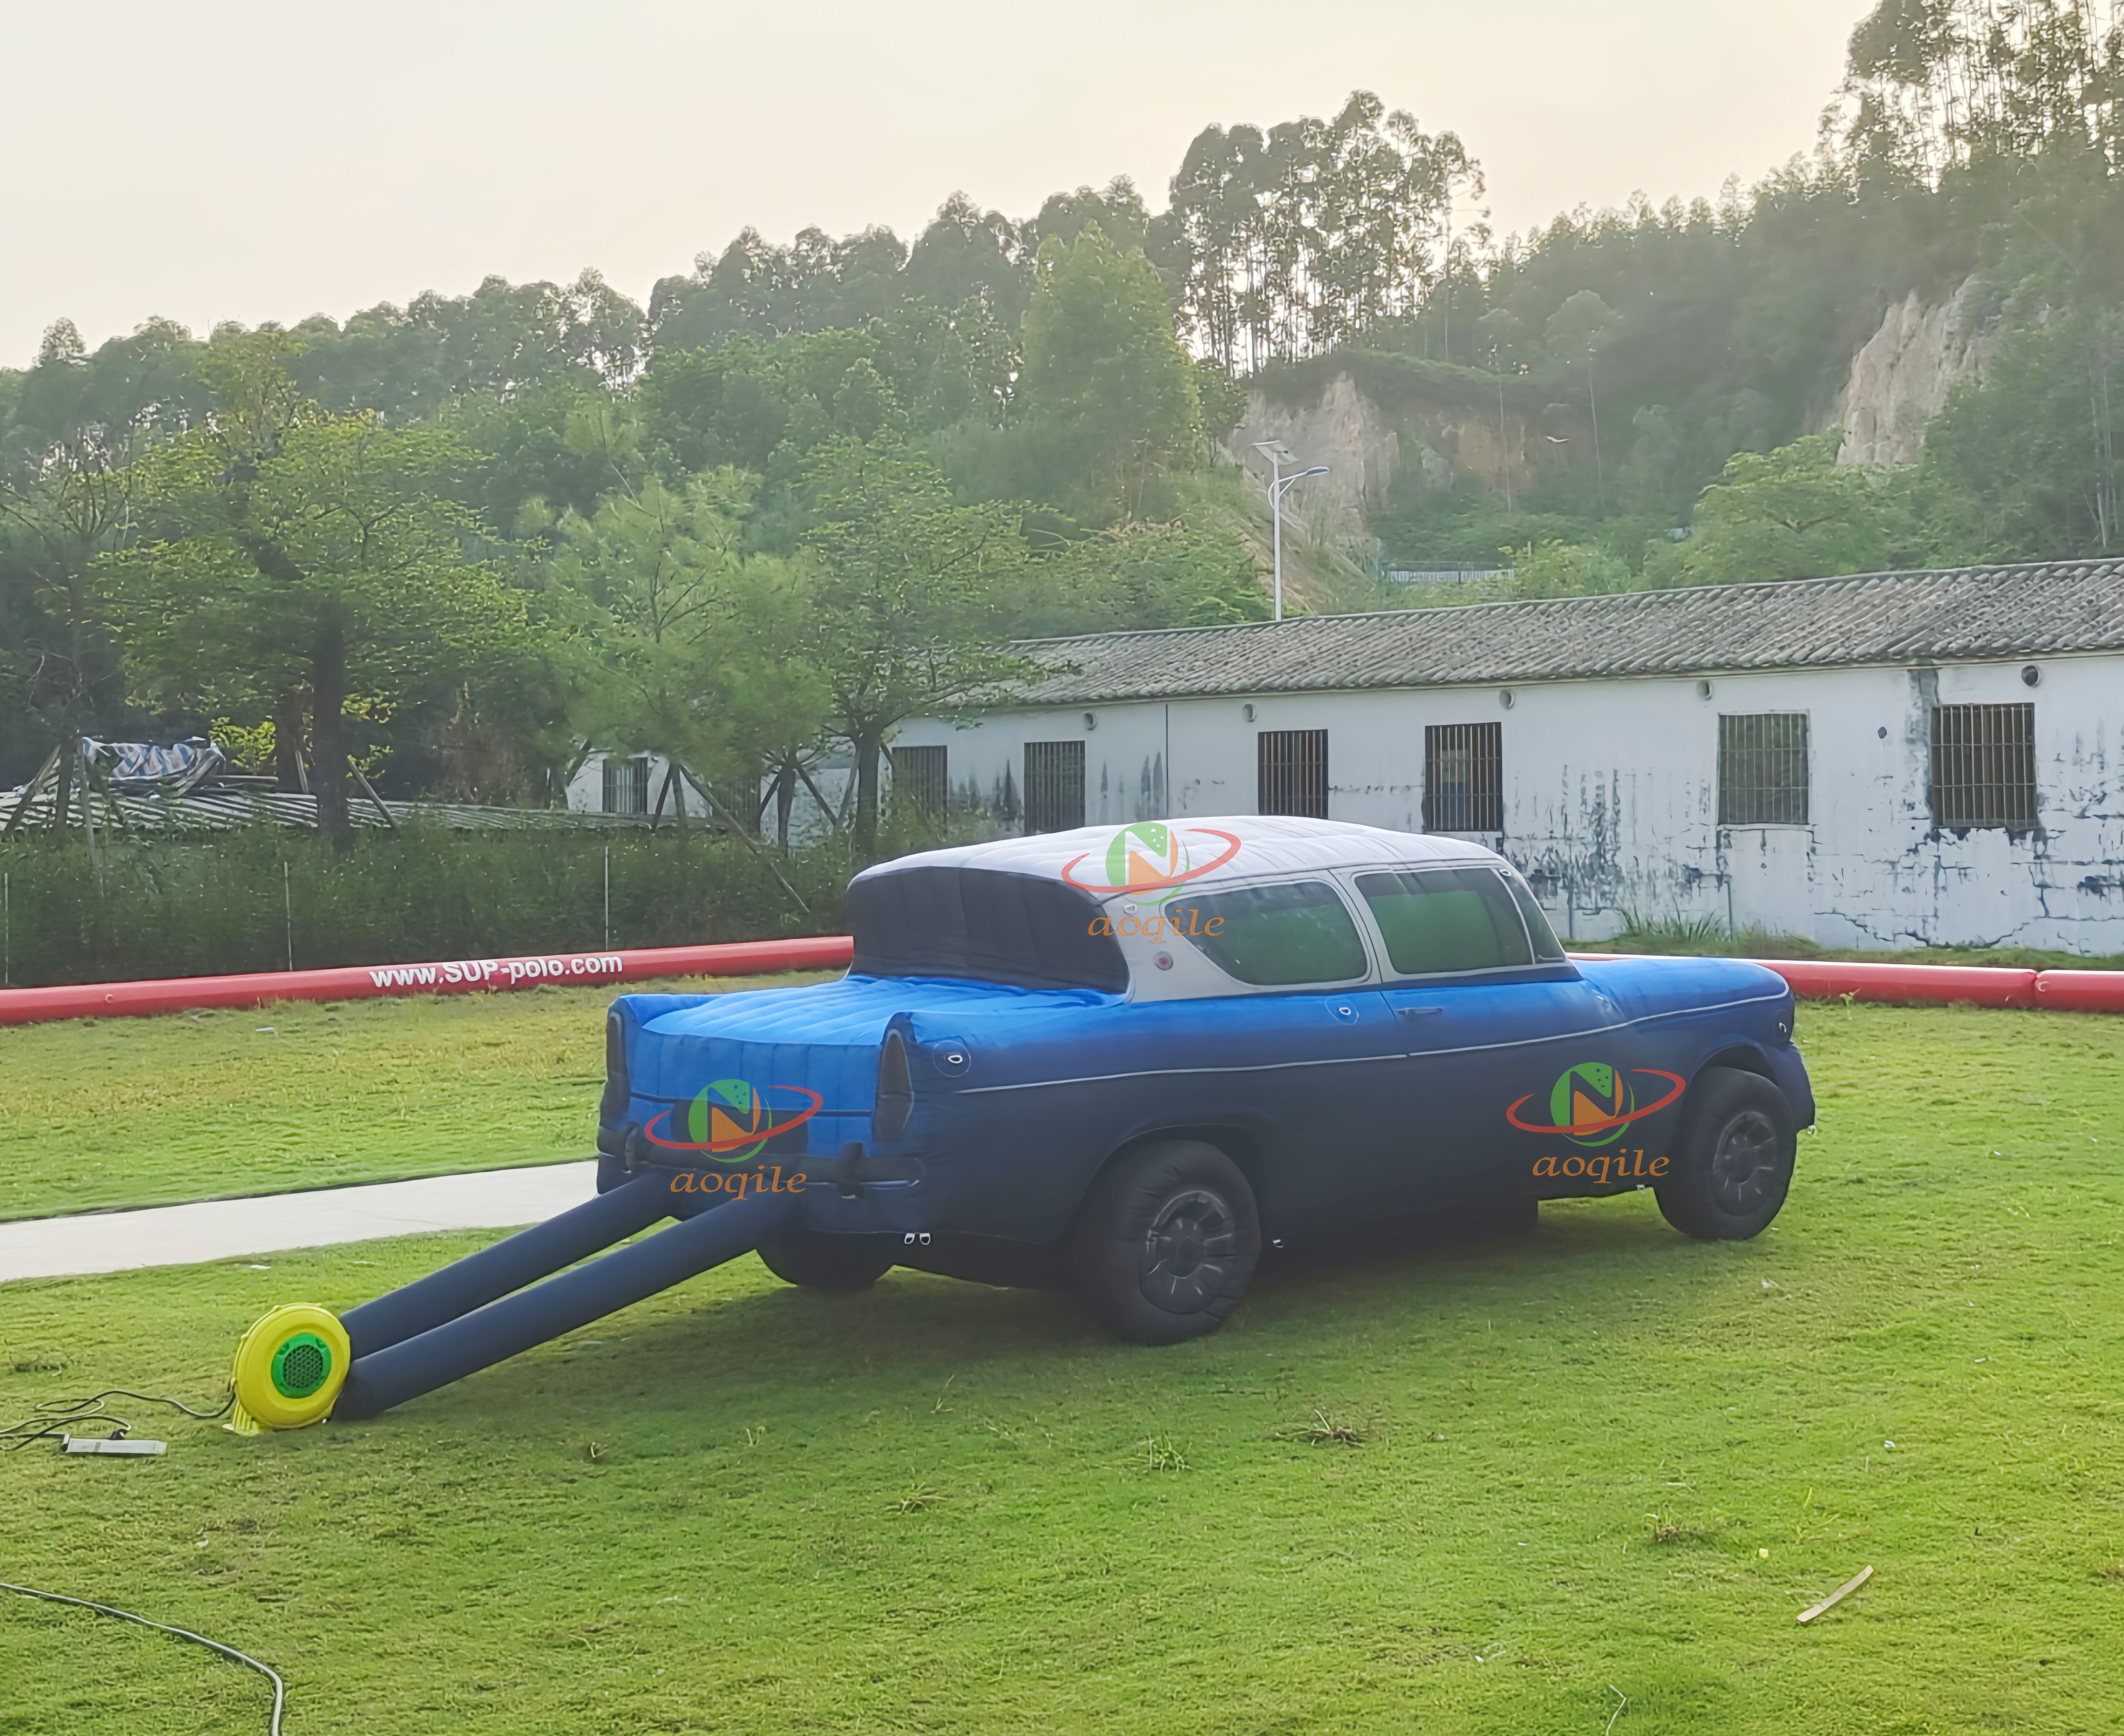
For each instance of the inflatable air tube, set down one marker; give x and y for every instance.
(458, 1347)
(509, 1265)
(2081, 991)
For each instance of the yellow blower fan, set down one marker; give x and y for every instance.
(290, 1368)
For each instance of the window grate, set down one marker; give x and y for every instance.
(625, 786)
(1984, 767)
(1293, 773)
(1053, 786)
(1464, 778)
(1762, 769)
(919, 780)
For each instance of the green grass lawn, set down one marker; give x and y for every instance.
(1606, 1455)
(148, 1112)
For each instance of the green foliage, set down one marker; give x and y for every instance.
(299, 559)
(1139, 575)
(1936, 85)
(2024, 464)
(1794, 513)
(1313, 233)
(1102, 365)
(689, 648)
(175, 907)
(908, 615)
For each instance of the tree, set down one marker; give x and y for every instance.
(67, 482)
(1794, 513)
(1313, 233)
(1101, 363)
(295, 556)
(1578, 332)
(692, 650)
(2026, 460)
(907, 617)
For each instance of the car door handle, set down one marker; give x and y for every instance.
(1418, 1012)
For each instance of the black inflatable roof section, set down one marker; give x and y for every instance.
(990, 927)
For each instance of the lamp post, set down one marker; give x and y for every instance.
(1279, 456)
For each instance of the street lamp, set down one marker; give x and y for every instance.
(1279, 456)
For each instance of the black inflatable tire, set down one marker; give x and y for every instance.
(1732, 1157)
(1166, 1243)
(827, 1262)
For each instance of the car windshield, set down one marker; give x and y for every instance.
(1446, 919)
(1274, 936)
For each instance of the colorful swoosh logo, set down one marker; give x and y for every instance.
(1150, 857)
(1593, 1102)
(733, 1116)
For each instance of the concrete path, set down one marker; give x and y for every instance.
(219, 1230)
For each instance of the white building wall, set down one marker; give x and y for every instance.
(1611, 788)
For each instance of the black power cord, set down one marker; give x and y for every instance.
(279, 1687)
(62, 1416)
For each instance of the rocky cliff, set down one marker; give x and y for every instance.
(1369, 432)
(1901, 375)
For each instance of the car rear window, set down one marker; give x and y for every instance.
(1277, 935)
(1446, 919)
(974, 923)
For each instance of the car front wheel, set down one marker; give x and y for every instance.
(1732, 1161)
(1166, 1243)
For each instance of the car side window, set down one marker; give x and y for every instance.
(1444, 920)
(1276, 936)
(1547, 947)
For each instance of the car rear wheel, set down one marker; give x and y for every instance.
(827, 1262)
(1732, 1160)
(1166, 1243)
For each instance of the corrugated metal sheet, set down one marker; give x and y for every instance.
(221, 810)
(1972, 613)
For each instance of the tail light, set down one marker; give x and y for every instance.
(895, 1090)
(618, 1092)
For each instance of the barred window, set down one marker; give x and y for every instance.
(1464, 778)
(626, 785)
(1762, 769)
(1293, 773)
(1053, 786)
(1984, 766)
(919, 780)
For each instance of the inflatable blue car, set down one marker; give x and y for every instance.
(1127, 1061)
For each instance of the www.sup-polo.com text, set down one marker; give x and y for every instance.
(499, 972)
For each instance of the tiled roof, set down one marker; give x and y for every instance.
(1971, 613)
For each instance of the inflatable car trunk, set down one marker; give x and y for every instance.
(1124, 1061)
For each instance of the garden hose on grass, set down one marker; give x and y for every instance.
(279, 1687)
(289, 1369)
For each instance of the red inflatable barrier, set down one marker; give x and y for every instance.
(455, 976)
(2057, 991)
(2081, 991)
(1977, 984)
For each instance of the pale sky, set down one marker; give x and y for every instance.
(230, 159)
